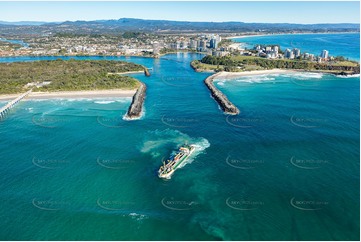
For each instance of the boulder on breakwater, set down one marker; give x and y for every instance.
(146, 72)
(136, 107)
(221, 99)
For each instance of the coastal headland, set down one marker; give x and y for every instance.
(239, 63)
(74, 79)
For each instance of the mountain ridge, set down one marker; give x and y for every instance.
(113, 26)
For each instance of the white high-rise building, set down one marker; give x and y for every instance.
(203, 45)
(275, 49)
(218, 38)
(213, 44)
(324, 54)
(193, 44)
(288, 53)
(156, 48)
(297, 52)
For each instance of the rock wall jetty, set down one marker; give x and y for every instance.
(146, 72)
(136, 107)
(221, 99)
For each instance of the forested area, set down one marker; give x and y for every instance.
(66, 75)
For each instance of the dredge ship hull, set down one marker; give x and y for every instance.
(177, 164)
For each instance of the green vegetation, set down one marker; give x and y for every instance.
(164, 51)
(129, 35)
(225, 43)
(199, 66)
(67, 75)
(72, 35)
(244, 63)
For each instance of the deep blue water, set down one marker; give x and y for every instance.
(286, 168)
(347, 45)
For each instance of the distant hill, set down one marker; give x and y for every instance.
(165, 26)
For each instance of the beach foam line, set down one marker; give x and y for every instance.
(104, 102)
(79, 94)
(230, 75)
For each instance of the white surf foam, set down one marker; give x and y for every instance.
(257, 79)
(137, 216)
(201, 146)
(104, 102)
(142, 114)
(305, 75)
(349, 76)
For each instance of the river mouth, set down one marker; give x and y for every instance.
(257, 166)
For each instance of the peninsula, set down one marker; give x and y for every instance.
(73, 79)
(267, 60)
(240, 63)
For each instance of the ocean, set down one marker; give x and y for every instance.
(346, 44)
(286, 168)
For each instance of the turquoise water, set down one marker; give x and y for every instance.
(286, 168)
(347, 44)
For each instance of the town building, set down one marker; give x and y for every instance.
(213, 44)
(324, 54)
(156, 48)
(289, 54)
(296, 52)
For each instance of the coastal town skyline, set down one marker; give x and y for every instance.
(249, 12)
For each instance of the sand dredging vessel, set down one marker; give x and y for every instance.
(175, 161)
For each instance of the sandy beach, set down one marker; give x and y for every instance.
(74, 94)
(237, 46)
(124, 73)
(249, 35)
(229, 75)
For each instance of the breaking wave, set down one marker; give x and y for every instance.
(249, 79)
(349, 76)
(104, 102)
(142, 114)
(305, 76)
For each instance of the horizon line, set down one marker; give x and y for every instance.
(203, 21)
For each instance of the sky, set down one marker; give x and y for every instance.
(262, 12)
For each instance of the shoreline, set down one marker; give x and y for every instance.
(73, 94)
(125, 73)
(260, 35)
(229, 75)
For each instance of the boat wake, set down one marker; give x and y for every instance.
(199, 149)
(159, 143)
